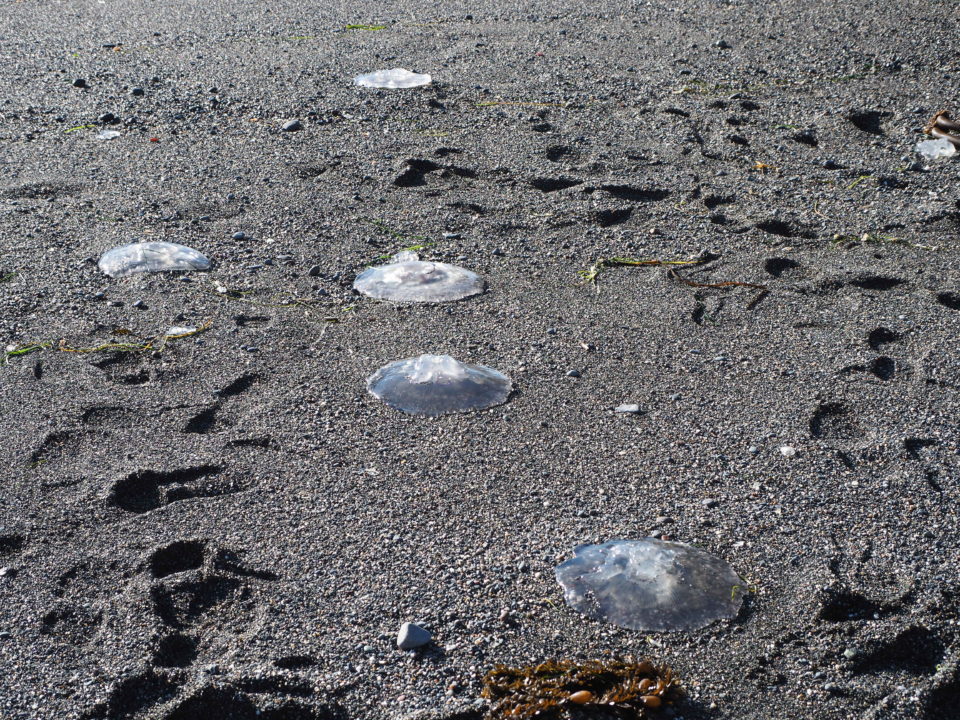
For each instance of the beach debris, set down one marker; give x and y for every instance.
(397, 78)
(943, 127)
(788, 451)
(650, 584)
(406, 278)
(565, 690)
(590, 274)
(632, 408)
(108, 134)
(434, 385)
(412, 636)
(151, 257)
(936, 149)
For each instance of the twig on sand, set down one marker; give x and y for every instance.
(590, 274)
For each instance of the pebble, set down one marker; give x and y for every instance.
(314, 271)
(412, 636)
(7, 572)
(140, 305)
(4, 635)
(136, 92)
(573, 373)
(292, 126)
(849, 653)
(722, 44)
(107, 118)
(709, 502)
(80, 83)
(788, 451)
(627, 408)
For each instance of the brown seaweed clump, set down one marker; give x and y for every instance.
(568, 690)
(942, 125)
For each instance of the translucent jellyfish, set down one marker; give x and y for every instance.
(151, 257)
(650, 585)
(395, 79)
(437, 384)
(408, 279)
(936, 149)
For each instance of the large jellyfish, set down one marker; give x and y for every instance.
(650, 584)
(151, 257)
(437, 384)
(395, 79)
(408, 279)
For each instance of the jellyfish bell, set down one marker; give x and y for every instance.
(151, 257)
(394, 79)
(406, 278)
(650, 585)
(437, 385)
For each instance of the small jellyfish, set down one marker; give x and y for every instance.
(437, 384)
(936, 149)
(651, 585)
(151, 257)
(394, 79)
(408, 279)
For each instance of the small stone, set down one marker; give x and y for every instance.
(722, 44)
(5, 635)
(788, 451)
(292, 126)
(753, 449)
(709, 502)
(627, 408)
(136, 92)
(412, 636)
(849, 653)
(80, 83)
(140, 305)
(314, 271)
(8, 572)
(573, 373)
(115, 303)
(107, 119)
(239, 235)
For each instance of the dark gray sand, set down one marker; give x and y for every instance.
(231, 527)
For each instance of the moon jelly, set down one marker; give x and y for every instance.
(151, 257)
(650, 585)
(408, 279)
(437, 384)
(394, 79)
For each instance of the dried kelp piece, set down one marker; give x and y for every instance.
(943, 127)
(437, 384)
(650, 584)
(151, 257)
(408, 279)
(568, 690)
(397, 78)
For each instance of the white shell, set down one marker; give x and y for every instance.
(394, 79)
(651, 585)
(151, 257)
(437, 384)
(412, 280)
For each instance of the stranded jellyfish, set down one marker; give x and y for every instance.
(394, 79)
(151, 257)
(650, 585)
(408, 279)
(438, 384)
